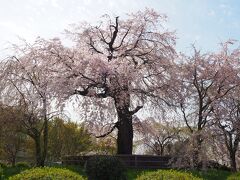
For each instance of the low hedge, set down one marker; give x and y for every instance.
(235, 176)
(47, 173)
(105, 168)
(22, 165)
(3, 165)
(1, 172)
(167, 175)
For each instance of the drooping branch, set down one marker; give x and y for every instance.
(30, 78)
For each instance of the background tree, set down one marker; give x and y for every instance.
(105, 146)
(202, 81)
(228, 121)
(67, 138)
(159, 137)
(12, 140)
(25, 82)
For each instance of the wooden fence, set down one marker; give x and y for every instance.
(130, 161)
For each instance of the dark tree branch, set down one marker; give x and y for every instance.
(113, 38)
(185, 118)
(109, 132)
(123, 38)
(91, 43)
(136, 110)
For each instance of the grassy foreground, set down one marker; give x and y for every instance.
(131, 173)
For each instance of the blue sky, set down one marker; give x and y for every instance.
(205, 23)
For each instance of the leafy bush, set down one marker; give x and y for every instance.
(213, 165)
(1, 173)
(47, 173)
(22, 165)
(167, 175)
(105, 167)
(3, 165)
(235, 176)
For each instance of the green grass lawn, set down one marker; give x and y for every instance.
(131, 173)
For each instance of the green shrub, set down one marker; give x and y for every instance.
(105, 168)
(3, 165)
(47, 173)
(22, 165)
(167, 175)
(1, 173)
(235, 176)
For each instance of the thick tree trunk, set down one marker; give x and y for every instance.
(13, 159)
(159, 150)
(38, 152)
(125, 128)
(197, 151)
(233, 161)
(162, 150)
(232, 146)
(45, 140)
(125, 132)
(45, 132)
